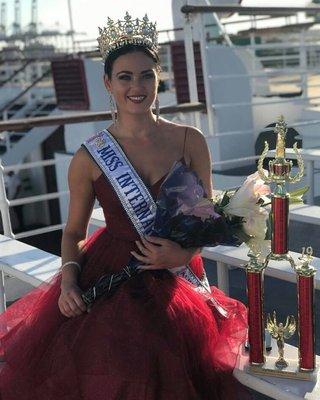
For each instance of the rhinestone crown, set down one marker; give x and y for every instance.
(128, 31)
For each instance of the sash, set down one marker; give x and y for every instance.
(136, 198)
(127, 184)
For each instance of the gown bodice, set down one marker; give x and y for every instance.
(117, 221)
(119, 233)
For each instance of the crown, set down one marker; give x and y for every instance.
(127, 31)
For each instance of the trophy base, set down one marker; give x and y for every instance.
(291, 371)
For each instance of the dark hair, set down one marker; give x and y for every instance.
(130, 48)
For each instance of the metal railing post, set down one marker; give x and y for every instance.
(7, 229)
(303, 65)
(223, 277)
(4, 206)
(6, 134)
(170, 72)
(2, 293)
(191, 66)
(222, 29)
(207, 79)
(310, 180)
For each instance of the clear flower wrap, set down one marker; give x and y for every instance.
(185, 215)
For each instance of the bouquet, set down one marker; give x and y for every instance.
(185, 215)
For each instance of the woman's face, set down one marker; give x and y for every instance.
(133, 83)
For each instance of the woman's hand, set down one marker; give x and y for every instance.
(159, 253)
(70, 301)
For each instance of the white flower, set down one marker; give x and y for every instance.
(245, 199)
(255, 223)
(259, 187)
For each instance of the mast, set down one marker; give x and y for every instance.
(3, 19)
(71, 27)
(17, 18)
(34, 17)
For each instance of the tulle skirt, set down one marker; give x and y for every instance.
(155, 338)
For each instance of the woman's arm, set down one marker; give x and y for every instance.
(80, 207)
(200, 161)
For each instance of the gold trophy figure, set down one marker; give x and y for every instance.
(305, 260)
(281, 332)
(280, 168)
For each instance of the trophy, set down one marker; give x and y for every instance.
(280, 174)
(281, 332)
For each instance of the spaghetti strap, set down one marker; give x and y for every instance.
(184, 143)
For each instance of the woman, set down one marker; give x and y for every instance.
(155, 337)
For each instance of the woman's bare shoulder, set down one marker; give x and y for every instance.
(194, 138)
(180, 129)
(81, 157)
(81, 163)
(177, 127)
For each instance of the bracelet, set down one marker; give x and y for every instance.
(71, 262)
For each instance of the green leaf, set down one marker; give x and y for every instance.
(241, 235)
(269, 227)
(295, 197)
(299, 192)
(295, 200)
(225, 200)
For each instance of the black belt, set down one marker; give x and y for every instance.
(107, 284)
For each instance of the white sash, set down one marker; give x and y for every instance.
(129, 187)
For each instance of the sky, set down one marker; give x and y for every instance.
(89, 14)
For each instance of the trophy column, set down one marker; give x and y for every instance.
(280, 212)
(255, 311)
(305, 282)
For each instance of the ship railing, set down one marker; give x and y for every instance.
(5, 136)
(6, 203)
(7, 106)
(301, 46)
(15, 73)
(300, 72)
(194, 22)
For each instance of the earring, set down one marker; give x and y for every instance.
(112, 108)
(157, 104)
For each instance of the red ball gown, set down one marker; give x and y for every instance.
(155, 338)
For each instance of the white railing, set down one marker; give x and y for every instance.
(5, 204)
(32, 107)
(300, 45)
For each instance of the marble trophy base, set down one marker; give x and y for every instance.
(291, 371)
